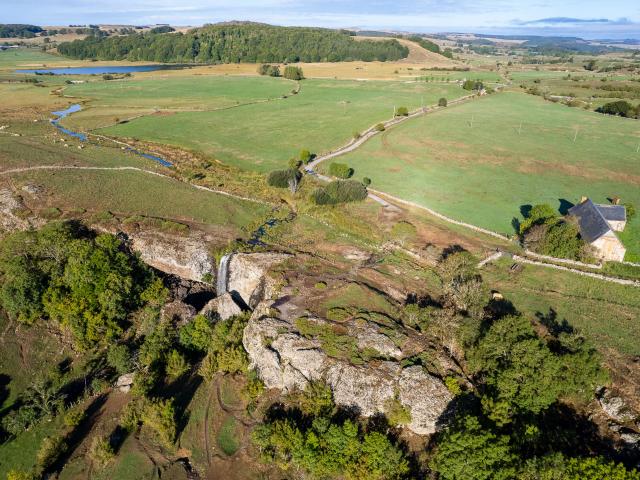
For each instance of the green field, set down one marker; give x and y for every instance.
(324, 115)
(110, 101)
(22, 57)
(131, 192)
(475, 163)
(606, 313)
(483, 76)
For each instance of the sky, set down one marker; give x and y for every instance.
(586, 18)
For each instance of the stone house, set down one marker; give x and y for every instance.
(598, 224)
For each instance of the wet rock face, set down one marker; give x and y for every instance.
(185, 257)
(287, 360)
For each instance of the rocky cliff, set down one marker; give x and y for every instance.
(287, 358)
(186, 257)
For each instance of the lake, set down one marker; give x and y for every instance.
(99, 70)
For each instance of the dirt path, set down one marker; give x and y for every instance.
(387, 201)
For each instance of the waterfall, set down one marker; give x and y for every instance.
(223, 275)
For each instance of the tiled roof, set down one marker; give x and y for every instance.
(592, 224)
(613, 213)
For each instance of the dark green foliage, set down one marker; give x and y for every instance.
(237, 43)
(340, 191)
(562, 240)
(366, 181)
(621, 108)
(324, 446)
(539, 214)
(197, 334)
(402, 112)
(476, 85)
(225, 352)
(119, 358)
(340, 170)
(162, 29)
(281, 178)
(19, 31)
(425, 43)
(88, 285)
(545, 232)
(269, 70)
(442, 102)
(380, 127)
(467, 451)
(293, 73)
(558, 467)
(521, 374)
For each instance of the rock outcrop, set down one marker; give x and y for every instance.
(615, 407)
(246, 276)
(125, 382)
(224, 305)
(13, 213)
(286, 359)
(186, 257)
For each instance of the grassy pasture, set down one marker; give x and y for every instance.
(131, 192)
(263, 136)
(24, 57)
(606, 313)
(120, 99)
(41, 144)
(470, 161)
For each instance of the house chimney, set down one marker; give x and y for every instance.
(583, 199)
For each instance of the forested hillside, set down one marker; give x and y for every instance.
(19, 31)
(236, 43)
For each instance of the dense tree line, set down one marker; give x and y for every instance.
(86, 283)
(237, 43)
(19, 30)
(620, 108)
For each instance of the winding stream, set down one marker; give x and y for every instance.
(59, 115)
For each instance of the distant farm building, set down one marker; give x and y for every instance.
(598, 224)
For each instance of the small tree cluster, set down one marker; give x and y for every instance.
(340, 170)
(293, 73)
(269, 70)
(546, 232)
(285, 178)
(475, 85)
(402, 112)
(339, 191)
(620, 108)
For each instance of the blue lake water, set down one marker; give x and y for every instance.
(83, 137)
(98, 70)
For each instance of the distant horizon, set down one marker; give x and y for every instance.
(615, 20)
